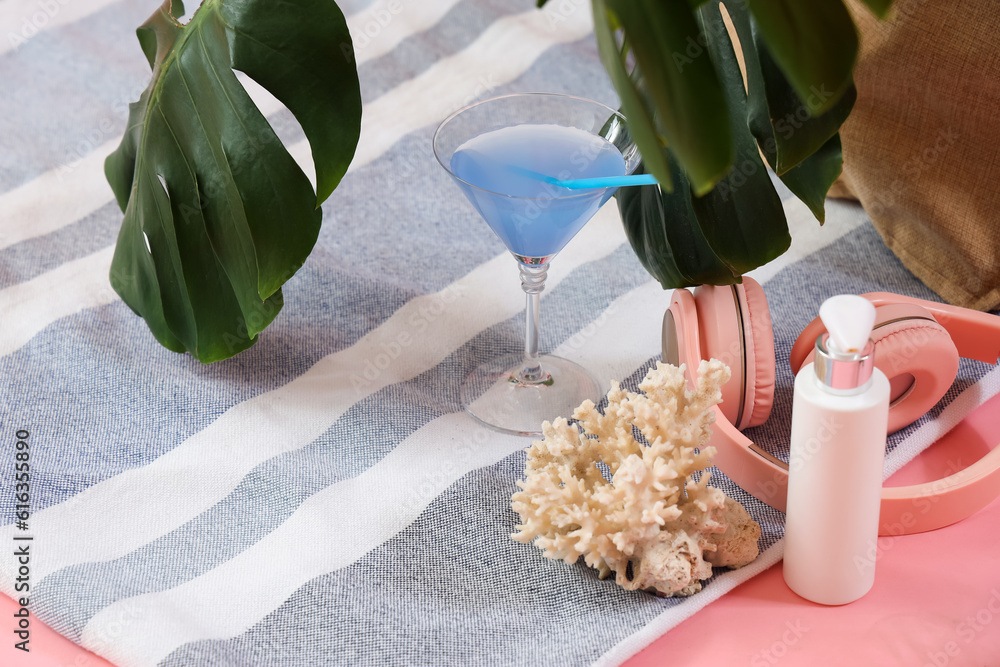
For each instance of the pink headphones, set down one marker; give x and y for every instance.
(917, 346)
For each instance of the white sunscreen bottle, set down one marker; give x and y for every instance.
(840, 415)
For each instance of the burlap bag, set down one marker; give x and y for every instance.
(922, 146)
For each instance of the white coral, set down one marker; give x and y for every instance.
(652, 524)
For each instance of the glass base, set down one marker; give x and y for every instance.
(494, 396)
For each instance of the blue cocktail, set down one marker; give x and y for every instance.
(498, 172)
(505, 153)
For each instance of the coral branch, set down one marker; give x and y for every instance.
(655, 523)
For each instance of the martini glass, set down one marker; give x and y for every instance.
(505, 153)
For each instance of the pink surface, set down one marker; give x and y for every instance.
(936, 600)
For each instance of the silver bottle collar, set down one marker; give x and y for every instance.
(843, 371)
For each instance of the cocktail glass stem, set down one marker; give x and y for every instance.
(532, 282)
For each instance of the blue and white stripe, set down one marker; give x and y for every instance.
(321, 499)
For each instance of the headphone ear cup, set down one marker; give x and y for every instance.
(721, 337)
(735, 328)
(920, 360)
(911, 348)
(759, 337)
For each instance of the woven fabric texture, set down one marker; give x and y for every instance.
(922, 145)
(321, 499)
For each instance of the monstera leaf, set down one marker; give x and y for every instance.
(803, 148)
(681, 103)
(716, 214)
(217, 213)
(683, 239)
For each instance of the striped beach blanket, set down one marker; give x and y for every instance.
(321, 499)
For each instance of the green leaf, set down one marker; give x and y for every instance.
(679, 82)
(685, 240)
(879, 7)
(217, 214)
(301, 52)
(814, 43)
(813, 177)
(640, 116)
(783, 124)
(742, 217)
(663, 230)
(803, 149)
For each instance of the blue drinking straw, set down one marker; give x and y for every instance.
(589, 183)
(607, 181)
